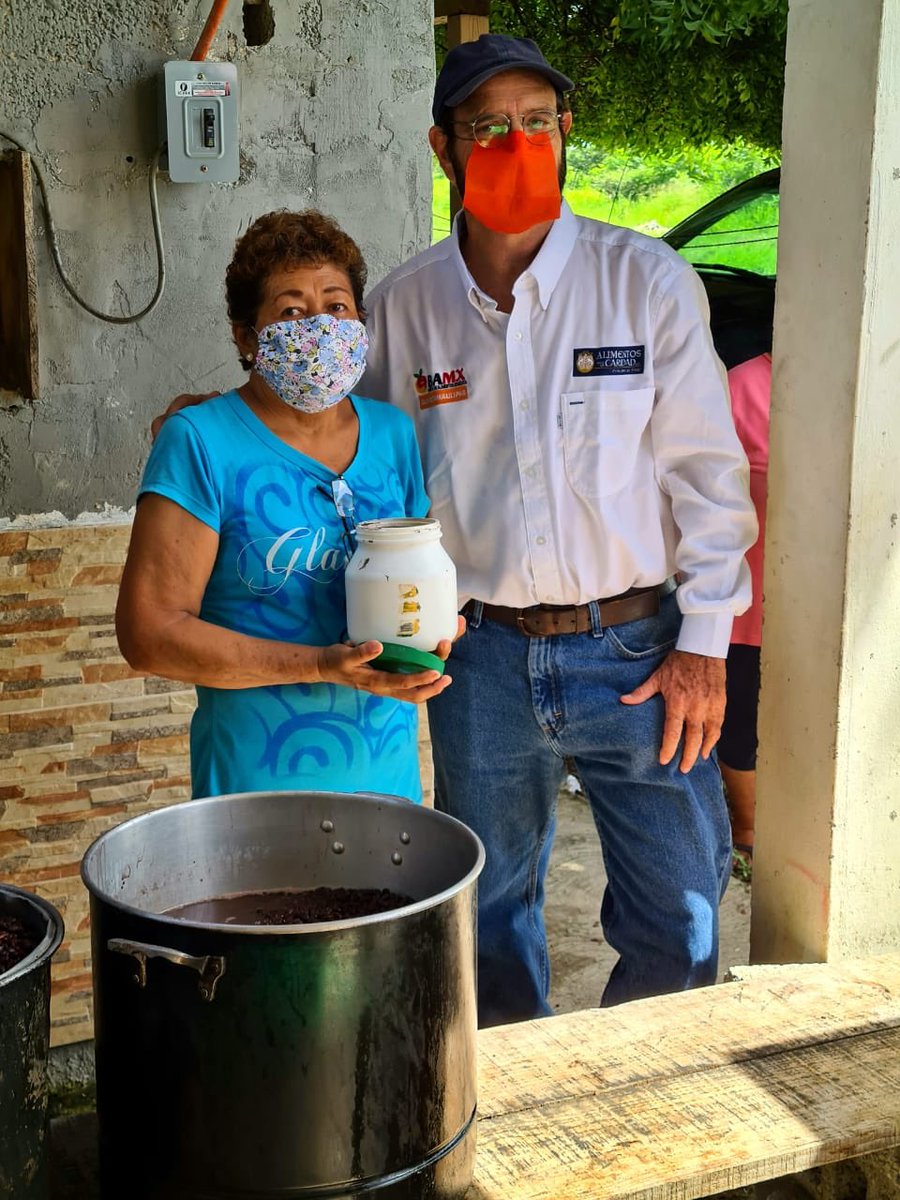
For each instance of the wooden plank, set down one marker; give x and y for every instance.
(693, 1136)
(18, 282)
(465, 27)
(687, 1095)
(466, 22)
(455, 8)
(584, 1052)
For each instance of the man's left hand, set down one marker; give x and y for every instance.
(693, 688)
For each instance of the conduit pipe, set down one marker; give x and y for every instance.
(216, 13)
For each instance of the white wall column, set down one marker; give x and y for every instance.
(827, 862)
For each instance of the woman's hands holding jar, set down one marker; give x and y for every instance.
(349, 666)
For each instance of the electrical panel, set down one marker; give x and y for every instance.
(201, 106)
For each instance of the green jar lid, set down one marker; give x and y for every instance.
(405, 660)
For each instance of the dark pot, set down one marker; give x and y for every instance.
(24, 1048)
(254, 1062)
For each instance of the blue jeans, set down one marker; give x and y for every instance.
(518, 707)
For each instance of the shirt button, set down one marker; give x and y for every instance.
(523, 404)
(517, 336)
(541, 541)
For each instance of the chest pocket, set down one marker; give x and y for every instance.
(602, 431)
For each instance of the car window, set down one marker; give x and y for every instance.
(747, 238)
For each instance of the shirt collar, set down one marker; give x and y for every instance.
(546, 267)
(548, 264)
(479, 300)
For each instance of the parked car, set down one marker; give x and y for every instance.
(732, 241)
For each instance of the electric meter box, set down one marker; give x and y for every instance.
(201, 105)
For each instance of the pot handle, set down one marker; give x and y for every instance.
(210, 967)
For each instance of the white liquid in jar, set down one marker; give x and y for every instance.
(401, 584)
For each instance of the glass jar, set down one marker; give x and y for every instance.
(401, 591)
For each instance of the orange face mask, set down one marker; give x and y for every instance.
(513, 185)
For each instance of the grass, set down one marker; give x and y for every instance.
(741, 866)
(653, 213)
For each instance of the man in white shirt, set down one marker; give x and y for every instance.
(580, 454)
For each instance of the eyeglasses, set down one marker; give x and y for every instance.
(490, 128)
(342, 497)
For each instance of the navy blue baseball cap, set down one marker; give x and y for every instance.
(468, 65)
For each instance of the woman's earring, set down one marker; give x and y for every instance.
(248, 360)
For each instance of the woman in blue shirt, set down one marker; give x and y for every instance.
(234, 579)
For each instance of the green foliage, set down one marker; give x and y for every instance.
(650, 193)
(682, 22)
(621, 174)
(741, 866)
(655, 75)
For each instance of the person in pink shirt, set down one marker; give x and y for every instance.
(750, 386)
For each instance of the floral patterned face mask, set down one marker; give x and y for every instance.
(313, 362)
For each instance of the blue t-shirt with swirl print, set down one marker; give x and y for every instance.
(279, 573)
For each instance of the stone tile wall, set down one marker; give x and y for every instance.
(85, 742)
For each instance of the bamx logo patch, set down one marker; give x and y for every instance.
(441, 387)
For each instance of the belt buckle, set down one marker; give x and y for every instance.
(522, 618)
(551, 624)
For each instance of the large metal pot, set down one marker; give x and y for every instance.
(24, 1048)
(328, 1060)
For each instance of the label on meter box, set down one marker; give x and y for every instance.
(202, 87)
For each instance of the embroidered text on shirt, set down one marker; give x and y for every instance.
(608, 360)
(441, 387)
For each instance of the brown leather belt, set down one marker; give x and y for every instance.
(546, 620)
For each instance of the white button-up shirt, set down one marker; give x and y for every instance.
(582, 444)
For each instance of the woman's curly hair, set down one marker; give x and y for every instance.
(280, 241)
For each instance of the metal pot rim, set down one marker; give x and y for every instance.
(48, 944)
(306, 929)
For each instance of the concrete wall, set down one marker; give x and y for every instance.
(826, 875)
(335, 110)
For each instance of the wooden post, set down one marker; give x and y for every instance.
(466, 21)
(466, 27)
(18, 286)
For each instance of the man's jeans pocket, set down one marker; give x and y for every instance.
(650, 636)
